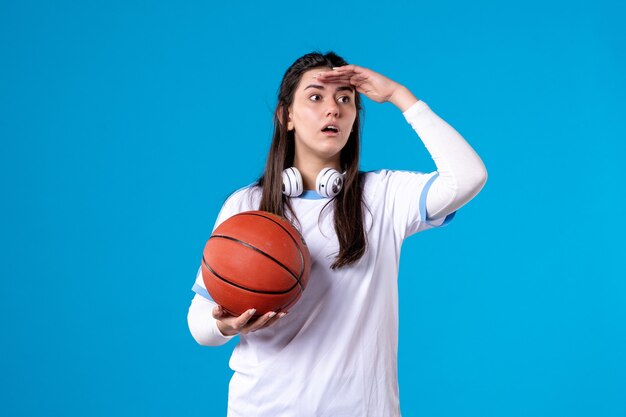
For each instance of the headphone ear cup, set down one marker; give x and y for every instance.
(292, 182)
(329, 182)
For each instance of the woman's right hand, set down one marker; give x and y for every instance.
(232, 325)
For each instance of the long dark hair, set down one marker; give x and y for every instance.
(348, 216)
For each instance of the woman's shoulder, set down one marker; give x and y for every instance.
(386, 175)
(243, 199)
(244, 195)
(385, 183)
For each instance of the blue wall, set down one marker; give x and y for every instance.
(124, 125)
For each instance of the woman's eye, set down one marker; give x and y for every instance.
(315, 97)
(344, 99)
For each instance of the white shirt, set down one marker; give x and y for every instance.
(335, 353)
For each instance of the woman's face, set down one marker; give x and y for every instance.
(321, 116)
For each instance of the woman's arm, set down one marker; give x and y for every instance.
(462, 174)
(202, 324)
(210, 325)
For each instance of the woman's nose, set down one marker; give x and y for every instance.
(333, 110)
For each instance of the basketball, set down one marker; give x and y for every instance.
(256, 259)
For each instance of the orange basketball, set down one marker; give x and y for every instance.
(256, 259)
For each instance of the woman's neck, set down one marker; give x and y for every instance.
(310, 168)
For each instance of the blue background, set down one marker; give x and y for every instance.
(124, 125)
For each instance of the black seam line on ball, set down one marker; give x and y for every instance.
(290, 236)
(241, 242)
(293, 297)
(241, 286)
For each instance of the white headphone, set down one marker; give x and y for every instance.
(328, 183)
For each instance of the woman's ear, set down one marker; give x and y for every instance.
(289, 122)
(279, 116)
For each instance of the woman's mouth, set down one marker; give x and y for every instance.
(330, 130)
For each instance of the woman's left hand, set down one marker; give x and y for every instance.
(375, 86)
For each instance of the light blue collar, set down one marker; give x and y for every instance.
(311, 195)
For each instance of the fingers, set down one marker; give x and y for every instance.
(232, 325)
(334, 76)
(217, 312)
(350, 68)
(262, 322)
(242, 320)
(344, 75)
(274, 319)
(228, 324)
(353, 80)
(347, 70)
(259, 323)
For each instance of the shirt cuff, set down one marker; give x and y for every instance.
(414, 111)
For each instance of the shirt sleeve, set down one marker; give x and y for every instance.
(202, 325)
(405, 194)
(461, 172)
(229, 208)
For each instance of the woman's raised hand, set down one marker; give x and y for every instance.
(232, 325)
(375, 86)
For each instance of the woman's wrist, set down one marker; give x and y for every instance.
(223, 329)
(402, 98)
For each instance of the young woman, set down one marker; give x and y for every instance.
(334, 354)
